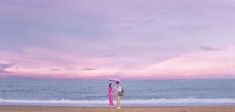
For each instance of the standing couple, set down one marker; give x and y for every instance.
(118, 92)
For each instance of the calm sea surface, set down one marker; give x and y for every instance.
(25, 91)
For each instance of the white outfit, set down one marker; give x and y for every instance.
(118, 88)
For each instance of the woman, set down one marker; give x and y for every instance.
(110, 95)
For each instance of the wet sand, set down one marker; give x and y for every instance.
(124, 109)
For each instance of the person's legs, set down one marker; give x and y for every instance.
(110, 100)
(118, 101)
(110, 103)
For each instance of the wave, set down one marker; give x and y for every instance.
(128, 102)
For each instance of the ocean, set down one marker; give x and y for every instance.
(94, 93)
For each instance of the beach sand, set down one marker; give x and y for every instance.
(124, 109)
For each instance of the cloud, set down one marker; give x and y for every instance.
(57, 64)
(208, 48)
(55, 69)
(4, 66)
(88, 69)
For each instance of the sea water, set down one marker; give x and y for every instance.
(94, 93)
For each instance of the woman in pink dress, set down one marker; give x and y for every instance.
(110, 95)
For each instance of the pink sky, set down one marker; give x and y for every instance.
(126, 39)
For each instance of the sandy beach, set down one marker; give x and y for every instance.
(124, 109)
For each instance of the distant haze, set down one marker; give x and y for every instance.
(127, 39)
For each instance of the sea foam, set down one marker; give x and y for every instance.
(135, 102)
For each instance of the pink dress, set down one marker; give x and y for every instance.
(110, 96)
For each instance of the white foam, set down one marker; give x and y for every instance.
(182, 101)
(144, 102)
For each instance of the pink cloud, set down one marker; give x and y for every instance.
(37, 62)
(199, 64)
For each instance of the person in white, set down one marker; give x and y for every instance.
(118, 89)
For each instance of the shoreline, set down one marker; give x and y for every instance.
(12, 108)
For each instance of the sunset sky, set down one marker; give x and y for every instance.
(127, 39)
